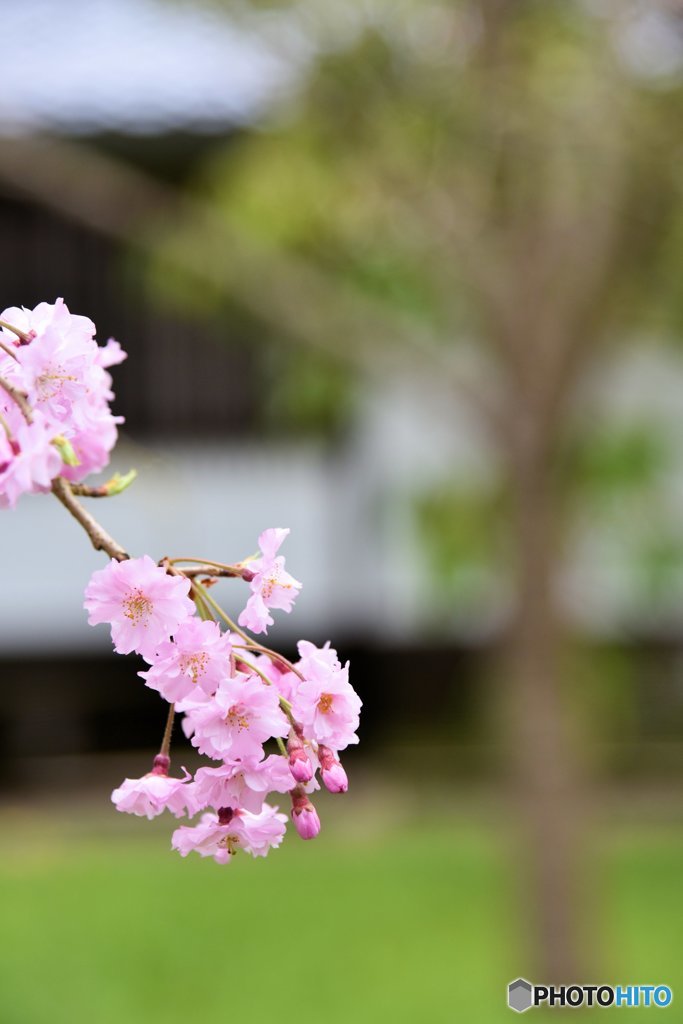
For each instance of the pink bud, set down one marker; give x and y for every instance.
(307, 822)
(333, 775)
(161, 764)
(304, 815)
(335, 779)
(300, 765)
(299, 762)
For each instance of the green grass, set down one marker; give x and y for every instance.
(404, 922)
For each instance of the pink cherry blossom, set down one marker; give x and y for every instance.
(63, 372)
(271, 587)
(221, 835)
(34, 322)
(92, 442)
(110, 354)
(142, 602)
(55, 372)
(304, 815)
(316, 661)
(29, 461)
(325, 703)
(333, 775)
(236, 722)
(242, 784)
(192, 664)
(152, 794)
(299, 762)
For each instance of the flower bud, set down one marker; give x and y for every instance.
(304, 815)
(331, 771)
(119, 483)
(299, 762)
(161, 765)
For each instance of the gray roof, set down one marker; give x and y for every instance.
(134, 66)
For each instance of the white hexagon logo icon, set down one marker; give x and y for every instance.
(520, 995)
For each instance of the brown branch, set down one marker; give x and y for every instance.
(19, 397)
(23, 337)
(10, 351)
(84, 491)
(165, 748)
(99, 537)
(209, 570)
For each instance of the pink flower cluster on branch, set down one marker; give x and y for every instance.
(237, 697)
(54, 399)
(268, 725)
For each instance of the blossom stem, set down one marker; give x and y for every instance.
(19, 397)
(281, 746)
(204, 611)
(116, 485)
(258, 672)
(10, 351)
(15, 330)
(166, 741)
(252, 645)
(99, 537)
(5, 426)
(217, 608)
(205, 567)
(287, 708)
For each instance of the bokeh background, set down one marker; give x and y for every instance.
(406, 277)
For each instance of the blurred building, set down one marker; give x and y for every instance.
(158, 85)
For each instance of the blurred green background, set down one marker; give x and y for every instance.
(405, 276)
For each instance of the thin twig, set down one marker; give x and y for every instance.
(19, 397)
(212, 571)
(84, 491)
(10, 351)
(99, 537)
(252, 645)
(166, 741)
(15, 330)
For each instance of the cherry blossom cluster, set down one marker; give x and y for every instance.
(54, 399)
(266, 724)
(237, 696)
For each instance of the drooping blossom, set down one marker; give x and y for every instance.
(55, 370)
(29, 461)
(304, 815)
(221, 835)
(61, 369)
(92, 443)
(142, 602)
(192, 664)
(242, 784)
(34, 322)
(152, 794)
(271, 586)
(300, 763)
(95, 427)
(325, 703)
(236, 722)
(331, 771)
(232, 695)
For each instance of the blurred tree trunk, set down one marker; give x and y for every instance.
(549, 805)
